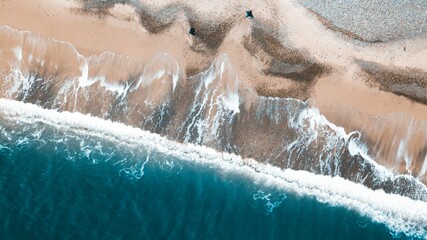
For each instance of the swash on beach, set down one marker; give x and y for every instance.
(213, 120)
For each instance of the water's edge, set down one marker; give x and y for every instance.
(400, 214)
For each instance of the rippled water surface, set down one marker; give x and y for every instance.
(59, 184)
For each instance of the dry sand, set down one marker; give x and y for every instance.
(285, 51)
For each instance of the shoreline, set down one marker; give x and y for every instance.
(336, 191)
(343, 84)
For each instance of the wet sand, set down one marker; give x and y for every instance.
(286, 51)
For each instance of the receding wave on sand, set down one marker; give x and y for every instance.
(400, 214)
(212, 108)
(273, 88)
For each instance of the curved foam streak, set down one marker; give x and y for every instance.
(299, 138)
(423, 168)
(399, 213)
(161, 65)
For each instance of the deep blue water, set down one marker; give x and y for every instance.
(57, 184)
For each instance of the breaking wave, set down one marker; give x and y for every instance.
(212, 108)
(401, 214)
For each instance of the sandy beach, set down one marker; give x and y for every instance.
(285, 51)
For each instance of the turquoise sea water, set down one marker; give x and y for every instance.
(60, 184)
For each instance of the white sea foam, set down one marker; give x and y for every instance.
(423, 168)
(18, 53)
(160, 66)
(401, 214)
(216, 102)
(270, 203)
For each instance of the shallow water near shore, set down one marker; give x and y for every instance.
(59, 183)
(300, 123)
(47, 195)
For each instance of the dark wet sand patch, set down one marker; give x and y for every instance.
(263, 37)
(297, 91)
(312, 72)
(211, 33)
(408, 82)
(280, 60)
